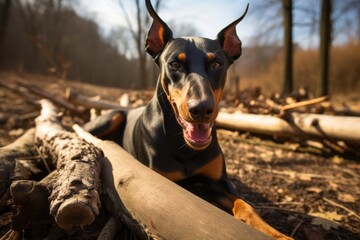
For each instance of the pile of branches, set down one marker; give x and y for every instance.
(315, 125)
(75, 177)
(252, 100)
(58, 183)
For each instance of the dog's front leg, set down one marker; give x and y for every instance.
(227, 198)
(247, 214)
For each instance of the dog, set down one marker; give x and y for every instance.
(174, 134)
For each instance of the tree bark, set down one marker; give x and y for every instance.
(138, 35)
(74, 201)
(163, 210)
(22, 147)
(31, 201)
(325, 42)
(288, 48)
(3, 24)
(300, 125)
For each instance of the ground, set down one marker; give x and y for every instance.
(305, 195)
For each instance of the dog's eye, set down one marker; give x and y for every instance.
(216, 65)
(175, 65)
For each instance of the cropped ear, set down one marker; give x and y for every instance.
(229, 39)
(158, 35)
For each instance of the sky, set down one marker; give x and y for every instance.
(210, 16)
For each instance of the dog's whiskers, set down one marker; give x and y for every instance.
(177, 134)
(183, 146)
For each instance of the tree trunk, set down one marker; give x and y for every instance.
(325, 42)
(3, 23)
(288, 48)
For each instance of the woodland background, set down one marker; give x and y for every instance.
(48, 37)
(299, 49)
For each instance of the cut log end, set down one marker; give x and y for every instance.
(74, 214)
(30, 201)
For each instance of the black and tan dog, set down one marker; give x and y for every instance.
(174, 134)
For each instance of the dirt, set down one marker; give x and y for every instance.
(305, 195)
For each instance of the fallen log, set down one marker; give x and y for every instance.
(74, 200)
(141, 197)
(20, 91)
(99, 104)
(300, 125)
(57, 100)
(22, 147)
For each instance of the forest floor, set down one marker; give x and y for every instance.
(305, 195)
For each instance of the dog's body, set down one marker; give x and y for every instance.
(174, 134)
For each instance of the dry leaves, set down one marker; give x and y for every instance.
(326, 219)
(314, 189)
(346, 198)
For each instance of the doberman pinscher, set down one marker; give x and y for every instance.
(174, 134)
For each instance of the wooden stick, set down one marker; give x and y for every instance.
(162, 209)
(85, 101)
(342, 207)
(21, 91)
(74, 201)
(304, 103)
(59, 101)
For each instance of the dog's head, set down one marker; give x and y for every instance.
(193, 74)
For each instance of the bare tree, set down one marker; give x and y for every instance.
(138, 35)
(325, 43)
(279, 11)
(288, 47)
(4, 10)
(42, 21)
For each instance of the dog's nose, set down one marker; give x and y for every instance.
(201, 110)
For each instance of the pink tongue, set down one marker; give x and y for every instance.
(198, 132)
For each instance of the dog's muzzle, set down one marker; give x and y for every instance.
(197, 135)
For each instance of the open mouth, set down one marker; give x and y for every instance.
(197, 135)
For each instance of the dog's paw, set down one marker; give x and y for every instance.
(283, 237)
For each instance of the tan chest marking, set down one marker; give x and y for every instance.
(212, 169)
